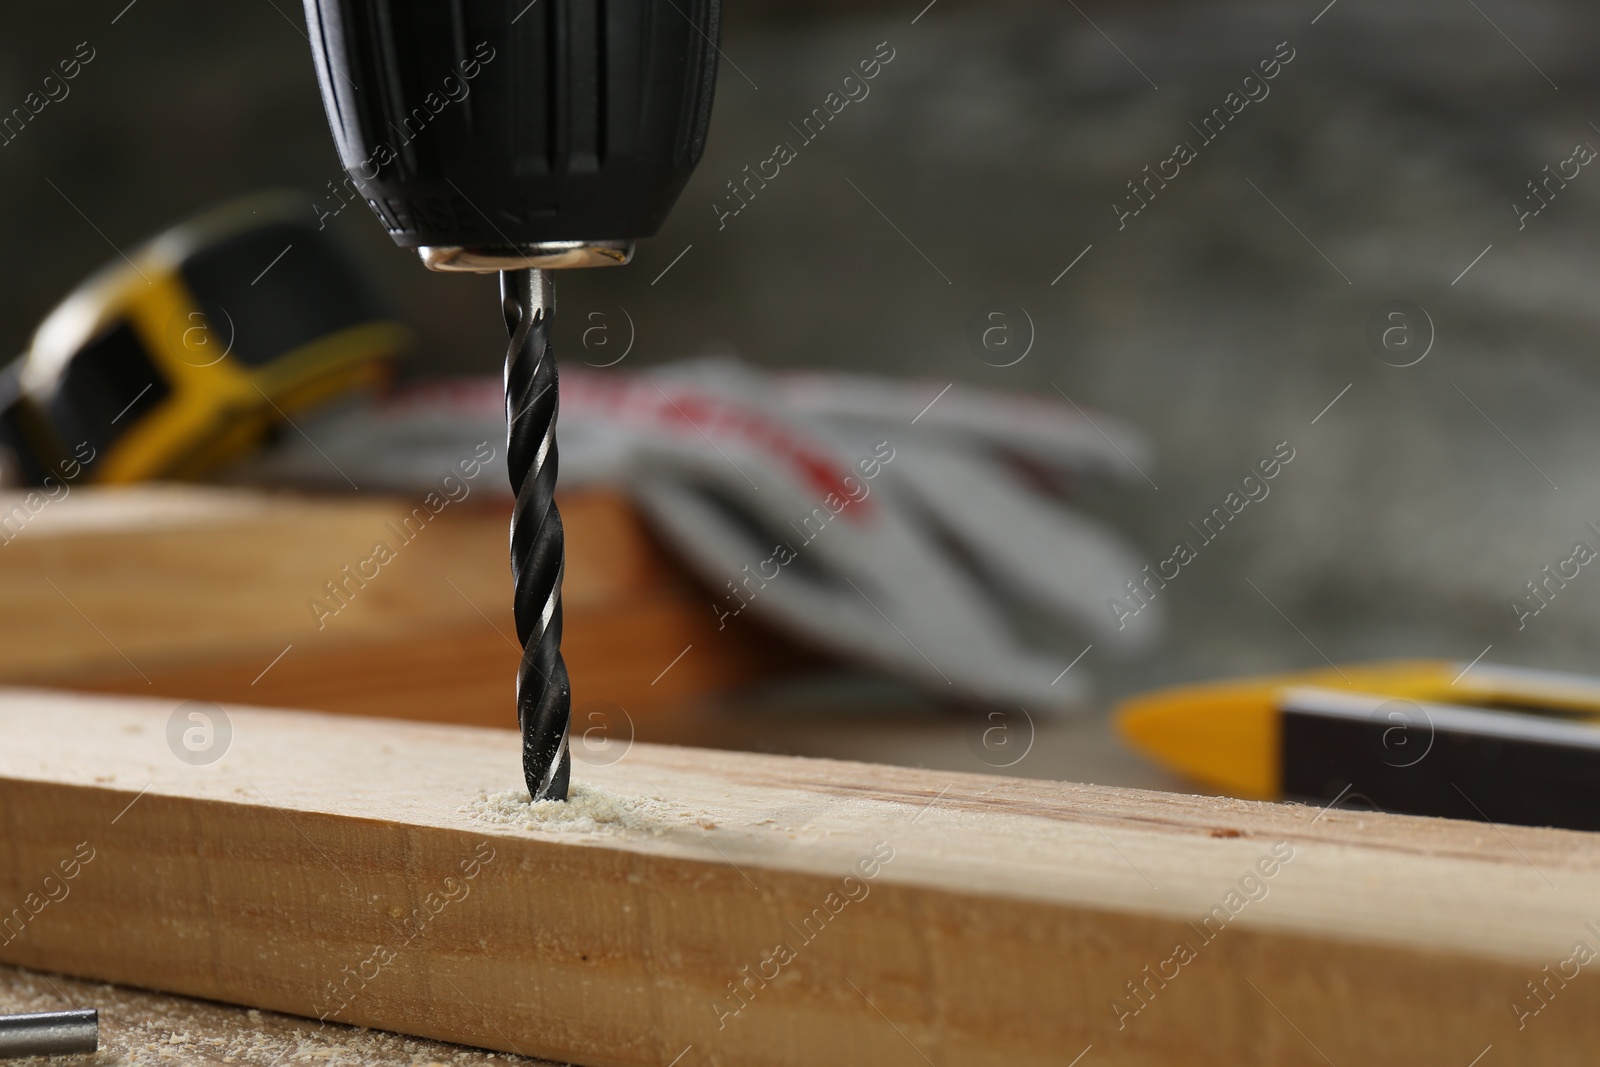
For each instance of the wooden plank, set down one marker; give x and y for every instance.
(344, 866)
(193, 592)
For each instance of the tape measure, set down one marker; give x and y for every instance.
(193, 349)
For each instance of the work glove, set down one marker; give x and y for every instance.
(904, 525)
(836, 508)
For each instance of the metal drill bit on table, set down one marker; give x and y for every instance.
(49, 1033)
(538, 552)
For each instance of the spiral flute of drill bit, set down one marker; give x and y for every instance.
(538, 553)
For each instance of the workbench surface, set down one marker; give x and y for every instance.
(138, 1028)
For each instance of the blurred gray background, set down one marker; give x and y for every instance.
(1223, 319)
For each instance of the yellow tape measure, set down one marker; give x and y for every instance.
(194, 348)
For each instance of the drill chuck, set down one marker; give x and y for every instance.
(492, 127)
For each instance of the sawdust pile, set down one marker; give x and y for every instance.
(587, 809)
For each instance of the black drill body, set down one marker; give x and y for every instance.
(518, 136)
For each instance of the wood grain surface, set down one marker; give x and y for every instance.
(731, 908)
(207, 593)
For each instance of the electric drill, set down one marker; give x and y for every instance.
(520, 136)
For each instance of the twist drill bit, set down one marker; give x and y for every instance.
(538, 553)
